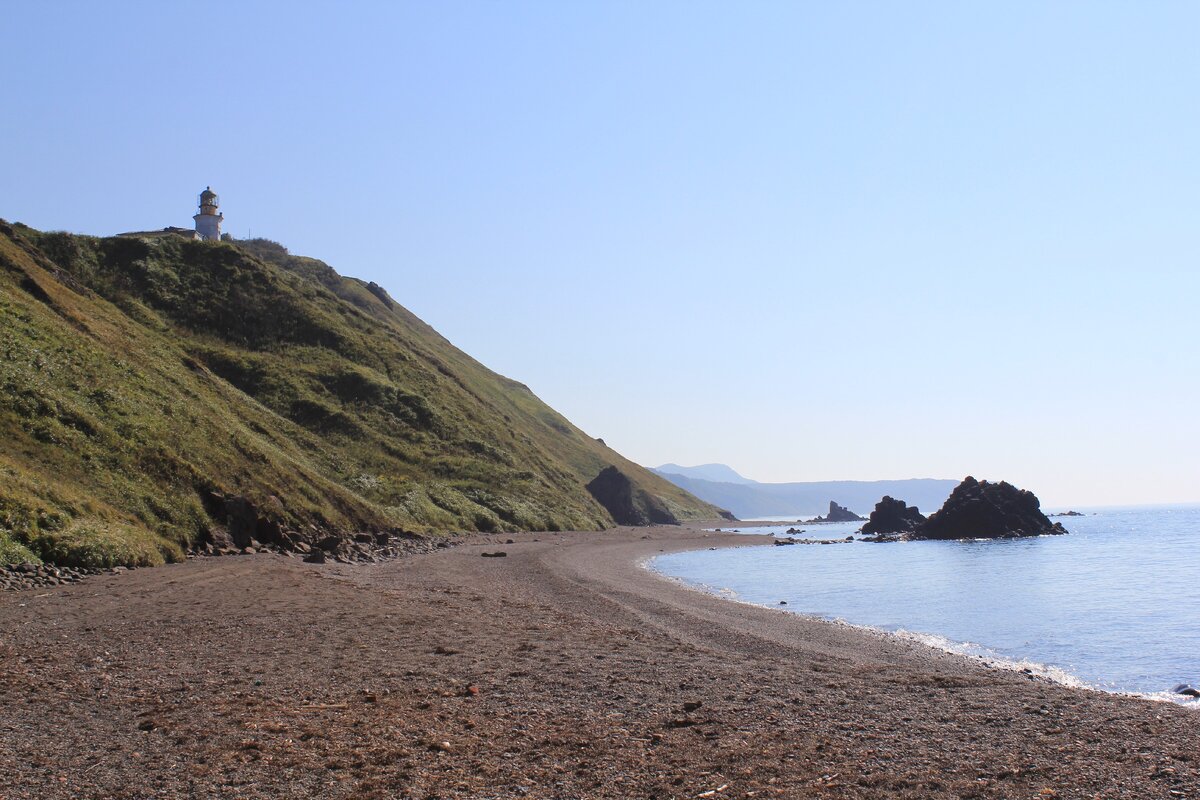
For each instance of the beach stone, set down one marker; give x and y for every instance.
(330, 544)
(315, 557)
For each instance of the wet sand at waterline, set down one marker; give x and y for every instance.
(563, 670)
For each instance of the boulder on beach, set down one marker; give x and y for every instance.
(983, 510)
(893, 516)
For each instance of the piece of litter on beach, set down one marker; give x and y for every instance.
(711, 792)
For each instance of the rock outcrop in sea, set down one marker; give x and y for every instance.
(841, 514)
(983, 510)
(836, 514)
(893, 516)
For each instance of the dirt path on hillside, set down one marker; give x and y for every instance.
(560, 671)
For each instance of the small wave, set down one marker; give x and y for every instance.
(991, 658)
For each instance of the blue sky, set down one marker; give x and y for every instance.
(810, 240)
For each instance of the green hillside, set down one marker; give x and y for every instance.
(157, 392)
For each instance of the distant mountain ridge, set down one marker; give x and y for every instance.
(720, 473)
(748, 499)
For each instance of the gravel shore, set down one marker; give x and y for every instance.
(561, 670)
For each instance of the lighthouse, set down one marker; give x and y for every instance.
(208, 221)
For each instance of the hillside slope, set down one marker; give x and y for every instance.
(157, 392)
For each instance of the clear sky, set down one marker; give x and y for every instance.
(809, 240)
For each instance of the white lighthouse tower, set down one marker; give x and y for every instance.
(208, 221)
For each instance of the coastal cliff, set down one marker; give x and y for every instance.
(161, 395)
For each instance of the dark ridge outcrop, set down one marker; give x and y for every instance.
(377, 290)
(627, 504)
(983, 510)
(893, 516)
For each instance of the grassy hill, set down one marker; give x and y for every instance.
(157, 392)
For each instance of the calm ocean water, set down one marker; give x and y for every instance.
(1115, 605)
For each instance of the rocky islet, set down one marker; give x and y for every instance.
(975, 510)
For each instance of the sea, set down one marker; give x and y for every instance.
(1114, 605)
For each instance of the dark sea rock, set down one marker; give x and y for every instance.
(893, 516)
(836, 514)
(983, 510)
(841, 514)
(628, 504)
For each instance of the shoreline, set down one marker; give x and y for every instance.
(564, 669)
(987, 659)
(993, 662)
